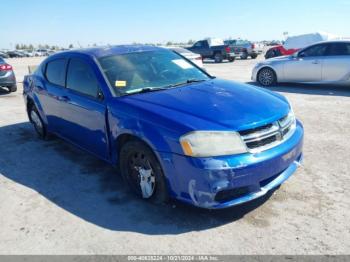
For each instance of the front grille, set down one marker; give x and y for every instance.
(267, 136)
(261, 143)
(227, 195)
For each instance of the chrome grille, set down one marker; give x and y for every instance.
(270, 135)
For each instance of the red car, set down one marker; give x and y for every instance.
(295, 43)
(279, 51)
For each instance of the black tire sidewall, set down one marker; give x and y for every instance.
(41, 134)
(12, 88)
(160, 194)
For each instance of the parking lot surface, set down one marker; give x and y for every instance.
(56, 199)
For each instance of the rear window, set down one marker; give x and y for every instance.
(55, 71)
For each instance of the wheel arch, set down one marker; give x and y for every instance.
(124, 138)
(268, 67)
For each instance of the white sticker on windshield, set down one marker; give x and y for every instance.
(182, 63)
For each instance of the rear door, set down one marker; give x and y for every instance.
(50, 91)
(82, 107)
(307, 66)
(336, 66)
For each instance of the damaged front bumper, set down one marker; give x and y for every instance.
(221, 182)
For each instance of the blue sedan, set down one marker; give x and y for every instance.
(173, 130)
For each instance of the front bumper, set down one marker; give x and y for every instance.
(221, 182)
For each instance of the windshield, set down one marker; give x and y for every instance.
(135, 72)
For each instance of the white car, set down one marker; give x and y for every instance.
(324, 62)
(195, 58)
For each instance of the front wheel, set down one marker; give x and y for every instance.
(141, 170)
(267, 77)
(231, 59)
(254, 56)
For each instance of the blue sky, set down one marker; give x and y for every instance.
(63, 22)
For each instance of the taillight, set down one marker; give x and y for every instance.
(198, 58)
(5, 67)
(253, 46)
(228, 49)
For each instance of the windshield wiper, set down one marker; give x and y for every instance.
(145, 90)
(188, 81)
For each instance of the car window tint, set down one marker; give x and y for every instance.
(55, 71)
(337, 49)
(81, 78)
(317, 50)
(198, 44)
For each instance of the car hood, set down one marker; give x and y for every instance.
(215, 104)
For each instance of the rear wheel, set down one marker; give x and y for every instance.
(12, 88)
(142, 171)
(218, 58)
(37, 122)
(267, 77)
(254, 56)
(231, 59)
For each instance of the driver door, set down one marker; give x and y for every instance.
(307, 65)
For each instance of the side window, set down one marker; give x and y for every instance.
(81, 78)
(205, 44)
(339, 49)
(198, 44)
(317, 50)
(55, 71)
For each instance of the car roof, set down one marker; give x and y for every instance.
(99, 52)
(335, 41)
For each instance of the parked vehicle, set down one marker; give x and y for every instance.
(213, 49)
(3, 55)
(243, 48)
(195, 58)
(7, 76)
(295, 43)
(325, 62)
(41, 52)
(13, 54)
(173, 130)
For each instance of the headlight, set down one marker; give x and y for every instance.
(212, 143)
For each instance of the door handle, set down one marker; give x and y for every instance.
(63, 98)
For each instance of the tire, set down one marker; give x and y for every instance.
(12, 88)
(218, 58)
(267, 77)
(37, 122)
(254, 56)
(244, 56)
(137, 160)
(231, 59)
